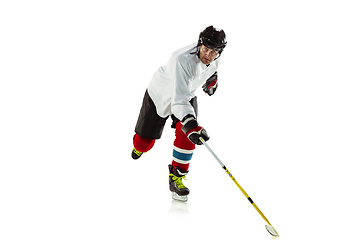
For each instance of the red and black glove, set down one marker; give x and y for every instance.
(211, 84)
(193, 131)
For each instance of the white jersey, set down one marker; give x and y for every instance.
(174, 85)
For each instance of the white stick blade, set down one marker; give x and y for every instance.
(271, 230)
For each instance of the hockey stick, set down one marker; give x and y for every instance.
(268, 227)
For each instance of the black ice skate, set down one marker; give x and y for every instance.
(177, 188)
(135, 154)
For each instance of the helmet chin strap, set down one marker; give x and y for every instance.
(218, 55)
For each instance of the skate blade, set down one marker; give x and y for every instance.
(175, 196)
(271, 230)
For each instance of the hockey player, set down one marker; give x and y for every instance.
(171, 92)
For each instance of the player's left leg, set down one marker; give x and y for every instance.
(182, 154)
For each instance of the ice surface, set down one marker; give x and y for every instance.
(284, 120)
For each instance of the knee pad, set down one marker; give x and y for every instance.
(143, 144)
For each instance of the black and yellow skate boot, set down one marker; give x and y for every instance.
(135, 154)
(177, 188)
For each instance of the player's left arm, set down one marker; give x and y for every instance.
(211, 84)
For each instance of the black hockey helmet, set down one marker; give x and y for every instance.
(213, 38)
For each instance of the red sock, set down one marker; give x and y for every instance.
(183, 149)
(143, 144)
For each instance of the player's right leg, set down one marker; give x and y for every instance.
(149, 127)
(141, 145)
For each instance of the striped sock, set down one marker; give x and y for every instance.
(181, 158)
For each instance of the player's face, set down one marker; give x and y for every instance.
(207, 55)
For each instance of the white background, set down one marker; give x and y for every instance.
(284, 120)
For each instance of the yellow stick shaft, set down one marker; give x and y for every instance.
(246, 195)
(237, 184)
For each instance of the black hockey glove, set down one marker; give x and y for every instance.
(211, 84)
(193, 131)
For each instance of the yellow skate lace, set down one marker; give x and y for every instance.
(178, 180)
